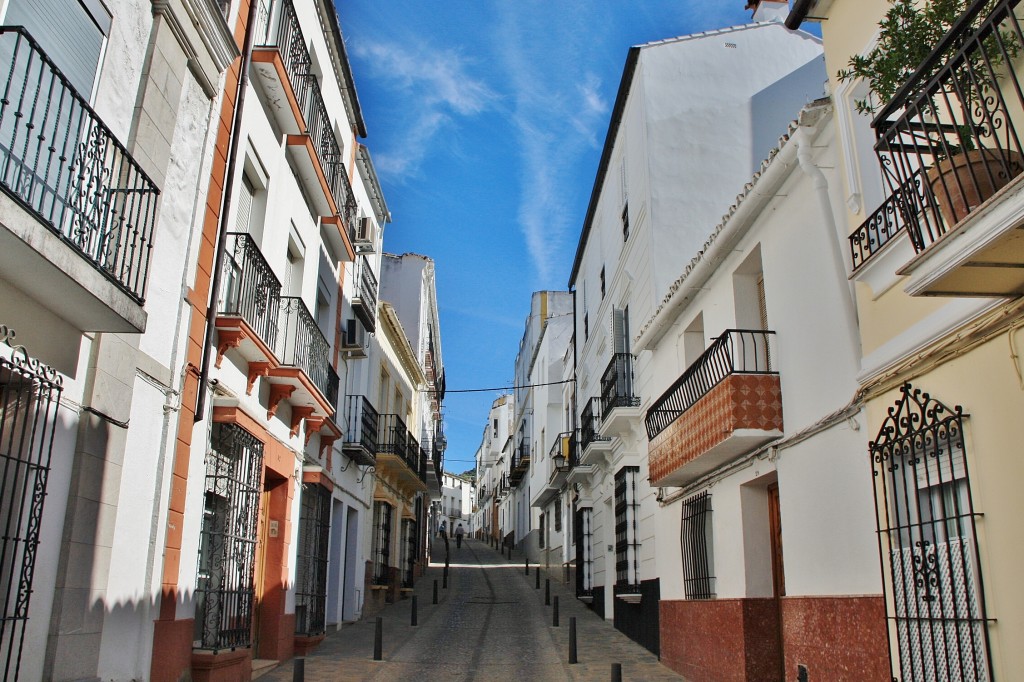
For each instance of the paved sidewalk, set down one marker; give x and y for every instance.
(490, 624)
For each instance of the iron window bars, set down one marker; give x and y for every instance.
(301, 344)
(29, 399)
(381, 541)
(311, 568)
(59, 160)
(583, 536)
(695, 541)
(253, 292)
(361, 423)
(927, 535)
(953, 122)
(736, 351)
(627, 542)
(408, 552)
(227, 542)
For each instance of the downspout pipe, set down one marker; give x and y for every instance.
(820, 184)
(225, 206)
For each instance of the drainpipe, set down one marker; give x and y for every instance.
(225, 206)
(820, 183)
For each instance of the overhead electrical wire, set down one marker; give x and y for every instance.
(504, 388)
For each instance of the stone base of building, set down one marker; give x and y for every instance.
(306, 644)
(762, 640)
(227, 666)
(172, 650)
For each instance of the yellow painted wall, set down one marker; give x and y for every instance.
(890, 314)
(985, 383)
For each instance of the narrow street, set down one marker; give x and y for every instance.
(490, 624)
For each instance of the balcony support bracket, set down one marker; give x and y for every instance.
(256, 370)
(300, 412)
(278, 392)
(226, 339)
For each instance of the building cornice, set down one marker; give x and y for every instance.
(206, 23)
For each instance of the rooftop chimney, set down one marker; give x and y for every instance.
(769, 10)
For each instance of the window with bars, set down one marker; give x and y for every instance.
(627, 547)
(625, 222)
(695, 540)
(558, 515)
(225, 584)
(543, 528)
(29, 399)
(311, 568)
(926, 526)
(583, 535)
(408, 551)
(381, 541)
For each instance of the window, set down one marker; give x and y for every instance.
(311, 565)
(543, 529)
(625, 223)
(583, 534)
(558, 514)
(28, 414)
(408, 562)
(627, 546)
(926, 524)
(697, 548)
(381, 542)
(602, 284)
(227, 542)
(495, 428)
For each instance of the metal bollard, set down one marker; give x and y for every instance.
(435, 590)
(527, 564)
(616, 672)
(378, 640)
(554, 613)
(299, 669)
(572, 640)
(536, 582)
(413, 610)
(445, 577)
(547, 591)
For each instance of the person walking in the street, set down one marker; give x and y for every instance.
(459, 532)
(443, 530)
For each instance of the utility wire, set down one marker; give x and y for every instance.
(505, 388)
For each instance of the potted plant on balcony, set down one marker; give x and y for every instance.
(960, 112)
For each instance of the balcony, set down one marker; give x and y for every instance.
(620, 408)
(364, 298)
(520, 462)
(949, 147)
(592, 444)
(361, 422)
(727, 403)
(399, 456)
(304, 375)
(248, 315)
(561, 459)
(78, 212)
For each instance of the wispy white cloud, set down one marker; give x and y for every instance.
(441, 83)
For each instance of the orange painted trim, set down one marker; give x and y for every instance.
(306, 142)
(336, 222)
(229, 328)
(272, 56)
(235, 415)
(288, 372)
(318, 477)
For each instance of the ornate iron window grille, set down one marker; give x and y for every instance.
(381, 541)
(225, 584)
(29, 399)
(583, 536)
(627, 543)
(59, 160)
(311, 568)
(736, 351)
(926, 531)
(697, 548)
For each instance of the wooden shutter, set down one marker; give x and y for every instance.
(245, 199)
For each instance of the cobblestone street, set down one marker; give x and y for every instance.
(490, 624)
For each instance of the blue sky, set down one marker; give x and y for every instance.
(485, 120)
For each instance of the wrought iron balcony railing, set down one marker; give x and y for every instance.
(284, 33)
(617, 384)
(423, 465)
(590, 423)
(955, 121)
(736, 351)
(365, 299)
(59, 160)
(301, 344)
(392, 436)
(887, 221)
(252, 291)
(361, 423)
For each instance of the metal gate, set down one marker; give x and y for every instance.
(926, 530)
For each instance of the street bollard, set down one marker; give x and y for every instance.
(616, 672)
(299, 669)
(445, 577)
(572, 640)
(527, 564)
(414, 610)
(547, 591)
(378, 640)
(536, 582)
(554, 613)
(435, 590)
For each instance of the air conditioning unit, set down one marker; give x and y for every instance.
(366, 235)
(353, 339)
